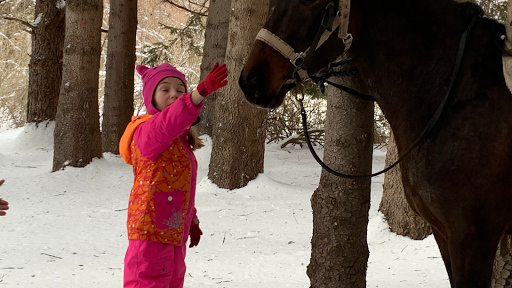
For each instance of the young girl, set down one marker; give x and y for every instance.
(4, 205)
(161, 210)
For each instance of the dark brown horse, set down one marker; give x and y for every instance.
(459, 177)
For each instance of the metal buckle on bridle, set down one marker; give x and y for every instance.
(347, 41)
(299, 96)
(329, 16)
(299, 60)
(331, 20)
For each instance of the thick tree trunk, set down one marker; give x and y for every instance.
(215, 43)
(239, 131)
(509, 13)
(77, 137)
(502, 270)
(45, 67)
(339, 252)
(118, 100)
(397, 212)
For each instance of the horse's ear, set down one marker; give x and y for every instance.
(471, 10)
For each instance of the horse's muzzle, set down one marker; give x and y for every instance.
(255, 88)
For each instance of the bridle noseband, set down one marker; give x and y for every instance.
(333, 18)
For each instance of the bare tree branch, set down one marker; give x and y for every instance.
(316, 136)
(186, 9)
(200, 5)
(19, 20)
(28, 31)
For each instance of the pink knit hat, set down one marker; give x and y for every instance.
(150, 79)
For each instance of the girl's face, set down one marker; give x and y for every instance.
(168, 91)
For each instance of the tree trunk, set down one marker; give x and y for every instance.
(509, 13)
(77, 137)
(397, 212)
(45, 67)
(339, 253)
(502, 270)
(215, 43)
(118, 99)
(239, 131)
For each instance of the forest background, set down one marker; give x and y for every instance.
(167, 31)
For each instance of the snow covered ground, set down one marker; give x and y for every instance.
(67, 229)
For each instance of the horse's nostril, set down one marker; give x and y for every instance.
(254, 86)
(257, 85)
(257, 95)
(248, 84)
(252, 81)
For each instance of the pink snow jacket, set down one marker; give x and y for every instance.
(162, 200)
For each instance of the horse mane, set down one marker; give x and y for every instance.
(421, 37)
(435, 18)
(468, 10)
(471, 10)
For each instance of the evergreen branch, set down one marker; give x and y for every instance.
(19, 20)
(186, 9)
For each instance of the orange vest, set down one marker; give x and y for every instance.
(159, 200)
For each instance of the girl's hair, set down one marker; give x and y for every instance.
(194, 140)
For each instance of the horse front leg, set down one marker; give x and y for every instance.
(445, 253)
(471, 257)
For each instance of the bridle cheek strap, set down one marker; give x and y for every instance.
(344, 10)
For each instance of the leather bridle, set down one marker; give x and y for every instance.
(334, 16)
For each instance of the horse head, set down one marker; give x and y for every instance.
(298, 36)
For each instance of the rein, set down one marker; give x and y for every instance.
(428, 128)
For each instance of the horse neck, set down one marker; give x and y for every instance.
(406, 51)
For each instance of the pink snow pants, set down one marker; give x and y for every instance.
(153, 264)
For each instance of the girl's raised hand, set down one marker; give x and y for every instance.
(214, 80)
